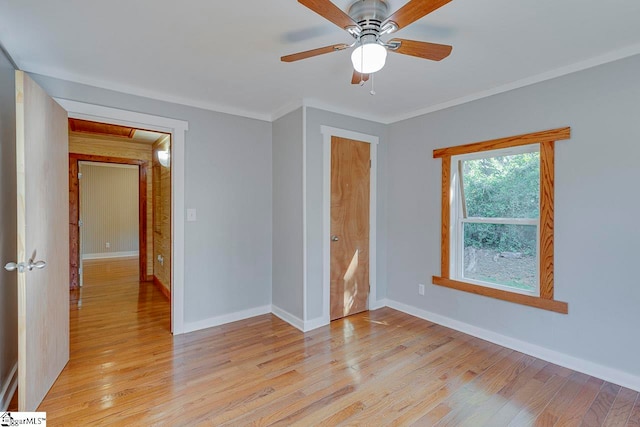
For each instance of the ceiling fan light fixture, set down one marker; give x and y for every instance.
(369, 58)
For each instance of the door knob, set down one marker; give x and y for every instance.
(334, 238)
(12, 266)
(22, 266)
(37, 264)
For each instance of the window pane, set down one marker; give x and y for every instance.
(501, 254)
(503, 186)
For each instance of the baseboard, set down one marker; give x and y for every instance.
(9, 388)
(163, 289)
(111, 255)
(375, 305)
(318, 322)
(590, 368)
(226, 318)
(291, 319)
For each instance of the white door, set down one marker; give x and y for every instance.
(43, 237)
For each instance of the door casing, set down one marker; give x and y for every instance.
(327, 133)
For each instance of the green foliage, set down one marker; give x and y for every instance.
(502, 187)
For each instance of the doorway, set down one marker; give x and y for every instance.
(349, 227)
(111, 233)
(349, 282)
(76, 225)
(177, 130)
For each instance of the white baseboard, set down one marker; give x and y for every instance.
(375, 305)
(111, 255)
(9, 388)
(298, 323)
(318, 322)
(291, 319)
(226, 318)
(590, 368)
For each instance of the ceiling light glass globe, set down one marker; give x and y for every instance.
(369, 58)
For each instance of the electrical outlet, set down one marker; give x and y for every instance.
(420, 288)
(107, 245)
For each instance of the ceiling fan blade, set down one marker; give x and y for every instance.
(314, 52)
(432, 51)
(330, 12)
(414, 10)
(357, 78)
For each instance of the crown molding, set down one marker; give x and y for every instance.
(548, 75)
(145, 93)
(315, 103)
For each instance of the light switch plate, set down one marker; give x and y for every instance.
(191, 215)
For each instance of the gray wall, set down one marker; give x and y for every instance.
(228, 180)
(287, 213)
(315, 119)
(596, 225)
(8, 237)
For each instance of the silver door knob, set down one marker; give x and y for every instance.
(21, 266)
(37, 264)
(334, 238)
(12, 266)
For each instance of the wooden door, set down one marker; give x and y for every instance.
(43, 234)
(350, 181)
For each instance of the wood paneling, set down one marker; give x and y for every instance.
(546, 304)
(547, 173)
(162, 217)
(104, 146)
(74, 231)
(84, 126)
(108, 147)
(511, 141)
(376, 368)
(350, 184)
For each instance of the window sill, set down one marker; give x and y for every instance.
(531, 301)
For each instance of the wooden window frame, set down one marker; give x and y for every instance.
(546, 140)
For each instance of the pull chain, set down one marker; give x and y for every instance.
(373, 90)
(362, 65)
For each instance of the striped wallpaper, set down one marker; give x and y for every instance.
(108, 210)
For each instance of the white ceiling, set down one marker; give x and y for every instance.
(225, 55)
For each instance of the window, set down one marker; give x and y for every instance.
(497, 218)
(494, 217)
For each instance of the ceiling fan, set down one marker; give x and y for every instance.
(367, 21)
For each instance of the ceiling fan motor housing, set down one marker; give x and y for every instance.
(369, 14)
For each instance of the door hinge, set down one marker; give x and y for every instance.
(80, 223)
(369, 163)
(79, 175)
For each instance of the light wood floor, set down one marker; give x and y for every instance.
(373, 369)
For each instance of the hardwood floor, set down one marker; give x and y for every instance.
(378, 368)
